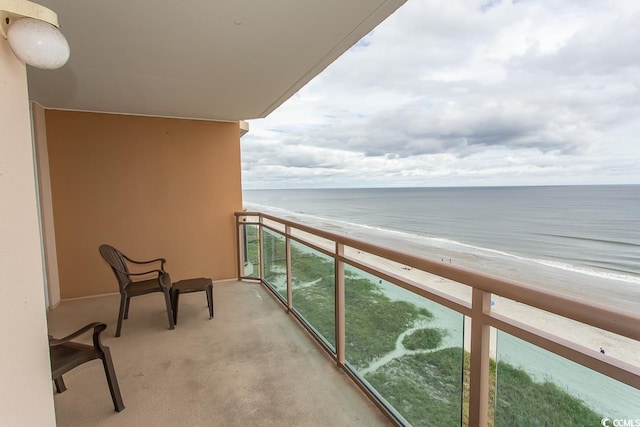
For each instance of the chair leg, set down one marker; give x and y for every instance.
(126, 308)
(121, 315)
(110, 373)
(175, 296)
(167, 301)
(209, 291)
(59, 382)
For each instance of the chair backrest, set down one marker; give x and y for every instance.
(118, 265)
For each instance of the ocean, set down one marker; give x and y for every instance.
(585, 238)
(580, 240)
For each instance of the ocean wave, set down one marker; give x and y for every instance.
(589, 239)
(588, 271)
(347, 227)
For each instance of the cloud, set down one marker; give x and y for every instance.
(453, 93)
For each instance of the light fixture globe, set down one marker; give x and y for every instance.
(38, 43)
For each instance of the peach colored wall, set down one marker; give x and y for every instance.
(151, 187)
(26, 396)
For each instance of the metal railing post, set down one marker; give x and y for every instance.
(287, 242)
(240, 243)
(339, 300)
(479, 367)
(260, 250)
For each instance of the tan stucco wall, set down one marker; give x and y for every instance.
(152, 187)
(26, 397)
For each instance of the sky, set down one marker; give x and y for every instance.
(466, 93)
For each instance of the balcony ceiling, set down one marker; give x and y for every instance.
(215, 60)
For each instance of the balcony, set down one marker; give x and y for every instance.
(427, 340)
(261, 360)
(250, 365)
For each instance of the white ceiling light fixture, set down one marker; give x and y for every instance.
(33, 34)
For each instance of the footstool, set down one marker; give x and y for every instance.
(191, 285)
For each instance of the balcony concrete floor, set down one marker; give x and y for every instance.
(252, 365)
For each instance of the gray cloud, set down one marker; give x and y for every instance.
(603, 49)
(458, 129)
(445, 91)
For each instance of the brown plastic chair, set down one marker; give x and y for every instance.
(66, 355)
(130, 288)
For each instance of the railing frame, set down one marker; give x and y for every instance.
(483, 286)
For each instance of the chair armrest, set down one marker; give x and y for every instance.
(165, 280)
(96, 326)
(128, 273)
(160, 260)
(160, 272)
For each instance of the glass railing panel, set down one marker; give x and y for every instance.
(274, 259)
(326, 244)
(251, 251)
(614, 345)
(408, 349)
(278, 226)
(537, 387)
(313, 290)
(451, 288)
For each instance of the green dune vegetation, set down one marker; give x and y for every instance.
(391, 344)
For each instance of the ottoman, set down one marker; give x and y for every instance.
(191, 285)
